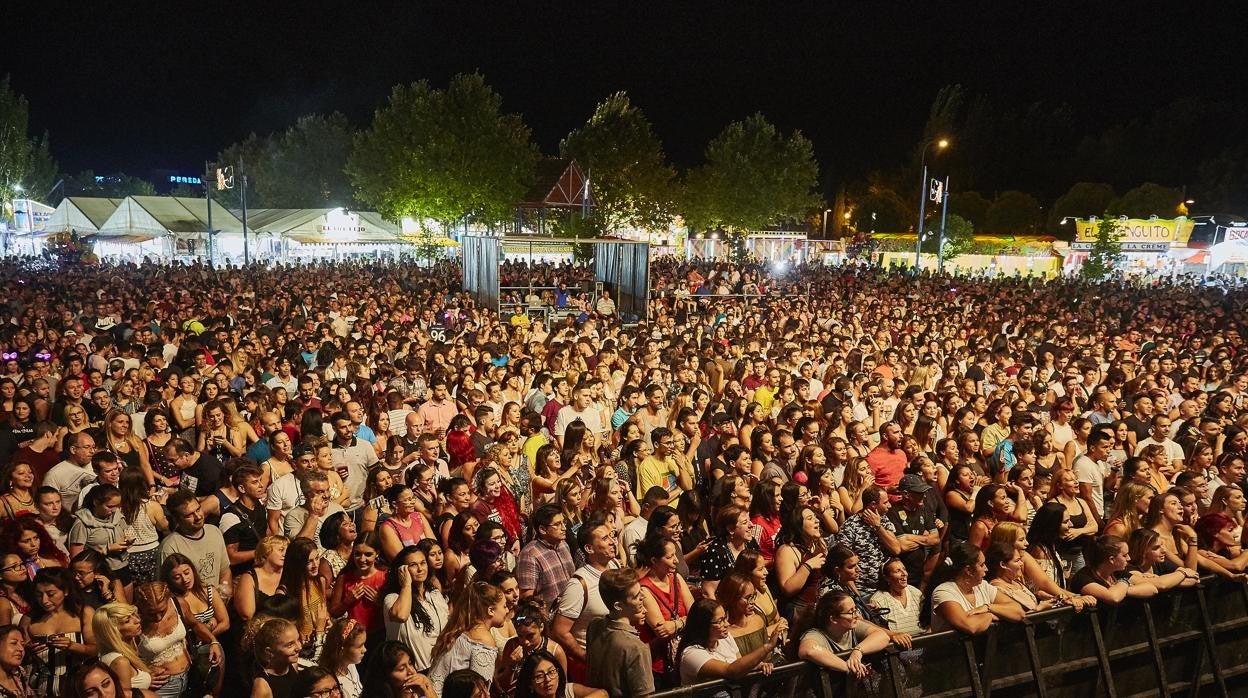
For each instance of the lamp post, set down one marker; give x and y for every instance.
(941, 144)
(826, 211)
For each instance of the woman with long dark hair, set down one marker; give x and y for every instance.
(344, 650)
(958, 597)
(415, 610)
(59, 628)
(839, 627)
(707, 651)
(392, 675)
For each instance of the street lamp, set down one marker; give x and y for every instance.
(826, 211)
(941, 144)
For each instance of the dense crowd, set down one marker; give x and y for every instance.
(272, 481)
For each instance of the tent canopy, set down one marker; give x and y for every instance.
(84, 214)
(324, 226)
(161, 216)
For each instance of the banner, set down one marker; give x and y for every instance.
(1137, 234)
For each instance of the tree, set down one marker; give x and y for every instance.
(970, 205)
(754, 177)
(1105, 252)
(1014, 212)
(306, 165)
(14, 145)
(631, 180)
(188, 191)
(1082, 200)
(882, 210)
(448, 155)
(253, 154)
(959, 237)
(114, 186)
(41, 170)
(1146, 200)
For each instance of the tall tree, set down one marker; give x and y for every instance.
(1106, 250)
(1014, 212)
(754, 177)
(629, 175)
(14, 145)
(446, 155)
(970, 205)
(306, 164)
(1146, 200)
(1083, 199)
(959, 236)
(114, 186)
(42, 171)
(253, 152)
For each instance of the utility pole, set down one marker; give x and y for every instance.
(208, 183)
(944, 214)
(246, 249)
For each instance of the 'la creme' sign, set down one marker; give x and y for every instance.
(340, 226)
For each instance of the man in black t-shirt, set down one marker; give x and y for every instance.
(914, 519)
(245, 521)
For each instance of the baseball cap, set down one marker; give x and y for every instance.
(913, 484)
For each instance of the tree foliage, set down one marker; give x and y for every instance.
(629, 175)
(754, 177)
(1014, 212)
(42, 171)
(253, 154)
(306, 164)
(14, 145)
(301, 167)
(959, 236)
(113, 186)
(27, 168)
(882, 210)
(448, 155)
(1082, 200)
(970, 205)
(1106, 250)
(1146, 200)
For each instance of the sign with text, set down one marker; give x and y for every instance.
(1138, 234)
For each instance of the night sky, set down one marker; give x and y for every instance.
(135, 86)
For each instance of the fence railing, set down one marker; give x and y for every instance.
(1170, 645)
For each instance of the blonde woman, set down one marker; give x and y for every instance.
(120, 440)
(76, 420)
(1128, 510)
(116, 627)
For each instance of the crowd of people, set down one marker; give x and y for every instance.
(272, 481)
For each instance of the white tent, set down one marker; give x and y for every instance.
(83, 214)
(324, 231)
(165, 226)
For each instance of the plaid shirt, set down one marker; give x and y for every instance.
(544, 568)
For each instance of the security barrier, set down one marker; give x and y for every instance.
(1187, 642)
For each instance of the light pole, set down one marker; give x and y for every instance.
(826, 211)
(941, 144)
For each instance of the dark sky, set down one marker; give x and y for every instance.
(134, 86)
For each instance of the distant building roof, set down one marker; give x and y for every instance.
(560, 183)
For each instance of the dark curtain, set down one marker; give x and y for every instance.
(624, 269)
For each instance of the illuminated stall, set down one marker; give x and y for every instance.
(1149, 246)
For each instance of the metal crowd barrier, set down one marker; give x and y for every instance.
(1170, 645)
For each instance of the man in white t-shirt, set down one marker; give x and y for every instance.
(579, 603)
(582, 408)
(1092, 471)
(284, 494)
(1160, 434)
